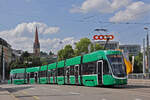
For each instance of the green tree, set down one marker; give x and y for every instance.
(25, 54)
(24, 57)
(45, 63)
(82, 46)
(60, 55)
(138, 63)
(36, 61)
(43, 53)
(13, 65)
(45, 60)
(68, 51)
(65, 53)
(98, 47)
(16, 64)
(51, 53)
(95, 47)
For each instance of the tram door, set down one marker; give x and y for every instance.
(76, 74)
(49, 76)
(100, 72)
(68, 74)
(36, 77)
(28, 78)
(11, 79)
(54, 72)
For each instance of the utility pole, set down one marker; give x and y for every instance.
(148, 56)
(144, 63)
(148, 51)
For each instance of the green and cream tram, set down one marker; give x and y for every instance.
(103, 67)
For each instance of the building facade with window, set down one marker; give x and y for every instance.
(131, 49)
(110, 44)
(5, 55)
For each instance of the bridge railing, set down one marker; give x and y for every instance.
(139, 76)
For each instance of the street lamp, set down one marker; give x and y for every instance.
(144, 63)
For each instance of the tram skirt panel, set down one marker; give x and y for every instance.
(90, 80)
(60, 80)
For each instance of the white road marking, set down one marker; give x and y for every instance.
(103, 99)
(55, 89)
(138, 99)
(76, 93)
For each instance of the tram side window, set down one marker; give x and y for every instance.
(50, 73)
(32, 75)
(89, 68)
(14, 76)
(53, 72)
(67, 70)
(105, 67)
(42, 73)
(85, 69)
(20, 75)
(71, 70)
(60, 71)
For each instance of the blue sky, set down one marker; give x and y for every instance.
(70, 20)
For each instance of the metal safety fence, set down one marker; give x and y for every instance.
(139, 76)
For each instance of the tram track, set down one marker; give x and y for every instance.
(21, 95)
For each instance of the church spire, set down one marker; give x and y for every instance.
(36, 37)
(36, 46)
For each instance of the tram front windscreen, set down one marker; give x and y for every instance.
(117, 65)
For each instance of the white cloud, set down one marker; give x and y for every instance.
(28, 29)
(116, 4)
(123, 10)
(51, 30)
(22, 37)
(55, 45)
(133, 12)
(102, 6)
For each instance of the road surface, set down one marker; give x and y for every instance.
(68, 92)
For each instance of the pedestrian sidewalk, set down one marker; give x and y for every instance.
(5, 95)
(139, 81)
